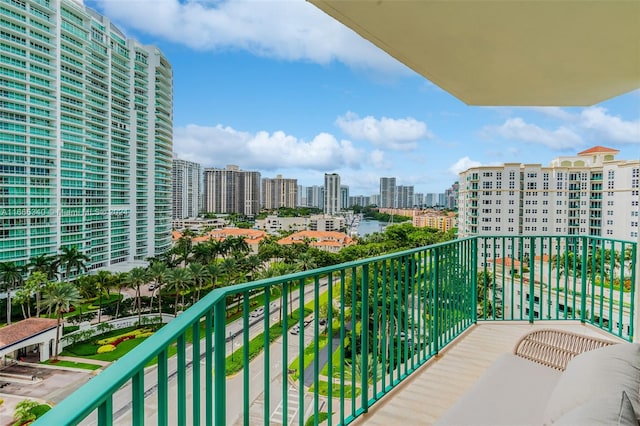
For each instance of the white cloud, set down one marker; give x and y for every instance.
(398, 134)
(290, 30)
(218, 146)
(463, 164)
(554, 112)
(377, 160)
(516, 129)
(609, 128)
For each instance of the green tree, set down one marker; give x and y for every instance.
(183, 248)
(23, 413)
(179, 280)
(72, 260)
(45, 264)
(119, 283)
(306, 262)
(11, 277)
(136, 278)
(213, 272)
(158, 273)
(60, 296)
(23, 298)
(205, 252)
(199, 275)
(103, 283)
(35, 283)
(489, 296)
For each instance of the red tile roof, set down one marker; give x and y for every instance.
(24, 329)
(321, 238)
(507, 261)
(599, 150)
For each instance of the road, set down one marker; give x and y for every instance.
(235, 385)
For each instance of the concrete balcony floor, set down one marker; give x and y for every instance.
(427, 394)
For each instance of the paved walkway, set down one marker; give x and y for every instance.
(84, 360)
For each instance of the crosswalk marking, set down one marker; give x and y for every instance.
(292, 408)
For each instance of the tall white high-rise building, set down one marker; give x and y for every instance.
(344, 196)
(315, 196)
(591, 193)
(404, 197)
(331, 193)
(388, 195)
(186, 181)
(279, 192)
(231, 190)
(86, 137)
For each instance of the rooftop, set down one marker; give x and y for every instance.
(24, 329)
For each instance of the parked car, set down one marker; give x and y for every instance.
(295, 330)
(152, 287)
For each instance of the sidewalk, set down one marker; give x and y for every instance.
(84, 360)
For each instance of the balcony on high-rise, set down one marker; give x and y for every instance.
(362, 339)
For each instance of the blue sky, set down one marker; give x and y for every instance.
(282, 88)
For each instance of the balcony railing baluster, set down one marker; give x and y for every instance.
(396, 312)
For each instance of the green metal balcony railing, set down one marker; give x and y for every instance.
(345, 335)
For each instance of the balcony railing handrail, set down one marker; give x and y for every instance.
(447, 267)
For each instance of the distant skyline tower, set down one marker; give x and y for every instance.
(315, 196)
(87, 137)
(404, 197)
(231, 190)
(331, 193)
(387, 192)
(186, 181)
(344, 196)
(279, 192)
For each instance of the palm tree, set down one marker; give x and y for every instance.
(238, 246)
(199, 275)
(103, 283)
(11, 276)
(306, 262)
(45, 264)
(271, 272)
(204, 252)
(183, 248)
(158, 273)
(119, 282)
(213, 272)
(179, 279)
(70, 258)
(60, 296)
(136, 278)
(252, 264)
(33, 285)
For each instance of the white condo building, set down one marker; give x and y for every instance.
(186, 177)
(591, 193)
(331, 193)
(85, 137)
(388, 195)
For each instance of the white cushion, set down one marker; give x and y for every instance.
(596, 374)
(601, 410)
(513, 391)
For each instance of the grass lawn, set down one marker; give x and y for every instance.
(323, 389)
(336, 361)
(64, 363)
(256, 345)
(294, 367)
